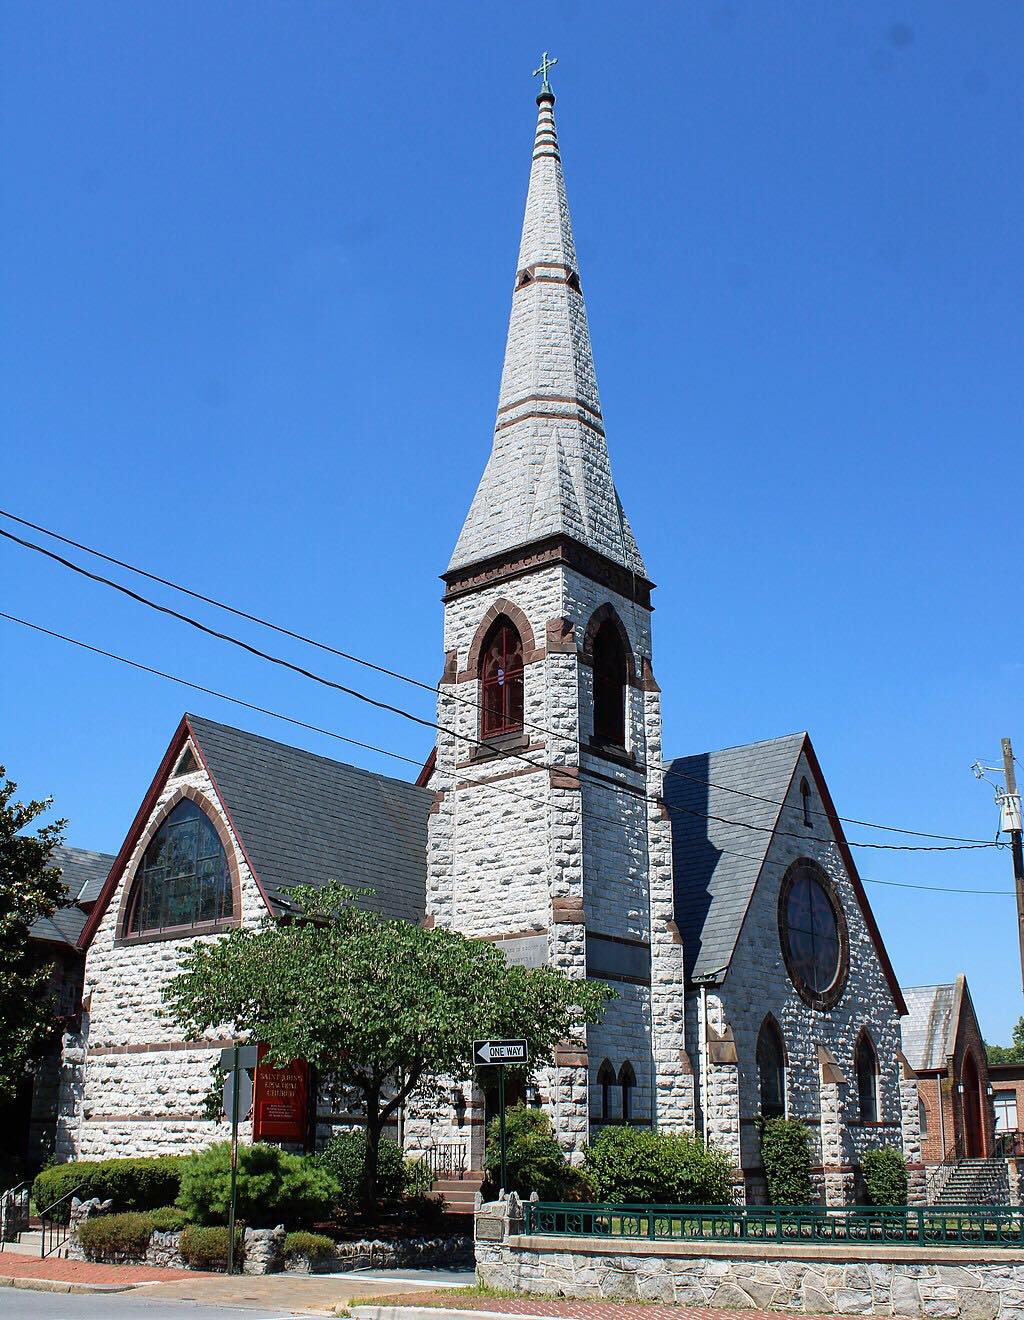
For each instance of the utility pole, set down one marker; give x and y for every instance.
(1010, 821)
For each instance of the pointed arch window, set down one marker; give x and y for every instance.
(183, 879)
(609, 686)
(501, 679)
(867, 1079)
(805, 794)
(771, 1070)
(627, 1085)
(606, 1081)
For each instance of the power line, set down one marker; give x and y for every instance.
(668, 771)
(383, 751)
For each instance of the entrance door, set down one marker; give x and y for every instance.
(974, 1138)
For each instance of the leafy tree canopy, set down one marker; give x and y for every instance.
(379, 1004)
(30, 887)
(1008, 1053)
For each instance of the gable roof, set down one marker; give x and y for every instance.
(300, 819)
(83, 872)
(717, 864)
(929, 1031)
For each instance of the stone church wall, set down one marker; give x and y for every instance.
(144, 1087)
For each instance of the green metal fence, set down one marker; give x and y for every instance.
(931, 1226)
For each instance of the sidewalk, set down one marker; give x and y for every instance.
(21, 1271)
(425, 1306)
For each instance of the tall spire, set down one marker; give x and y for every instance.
(548, 474)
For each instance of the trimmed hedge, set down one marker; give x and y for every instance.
(116, 1237)
(207, 1248)
(317, 1246)
(344, 1156)
(274, 1187)
(535, 1161)
(133, 1184)
(885, 1176)
(167, 1219)
(786, 1156)
(634, 1165)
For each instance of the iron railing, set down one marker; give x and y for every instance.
(1010, 1145)
(55, 1228)
(14, 1213)
(933, 1226)
(446, 1162)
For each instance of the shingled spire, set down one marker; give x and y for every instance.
(548, 475)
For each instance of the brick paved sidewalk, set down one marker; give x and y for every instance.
(560, 1306)
(15, 1266)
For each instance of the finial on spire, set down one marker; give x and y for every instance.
(542, 73)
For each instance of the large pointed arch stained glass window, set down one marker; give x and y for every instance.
(183, 879)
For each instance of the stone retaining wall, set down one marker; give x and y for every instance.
(942, 1284)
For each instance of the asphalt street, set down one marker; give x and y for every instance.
(20, 1304)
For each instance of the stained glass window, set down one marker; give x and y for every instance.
(771, 1070)
(867, 1079)
(183, 879)
(501, 676)
(813, 933)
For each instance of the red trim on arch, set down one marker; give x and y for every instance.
(423, 778)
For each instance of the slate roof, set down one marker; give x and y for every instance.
(305, 819)
(716, 865)
(929, 1028)
(84, 873)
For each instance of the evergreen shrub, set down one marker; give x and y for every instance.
(317, 1246)
(786, 1156)
(116, 1238)
(639, 1166)
(885, 1176)
(274, 1187)
(207, 1248)
(343, 1158)
(535, 1160)
(167, 1219)
(132, 1184)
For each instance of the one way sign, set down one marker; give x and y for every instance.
(500, 1051)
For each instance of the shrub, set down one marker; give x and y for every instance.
(273, 1186)
(417, 1178)
(116, 1237)
(885, 1176)
(316, 1246)
(633, 1165)
(535, 1160)
(207, 1248)
(786, 1156)
(167, 1219)
(343, 1158)
(134, 1184)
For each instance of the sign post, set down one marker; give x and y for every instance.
(234, 1060)
(500, 1054)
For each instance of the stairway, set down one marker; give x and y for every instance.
(976, 1182)
(459, 1193)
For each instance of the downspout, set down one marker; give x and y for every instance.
(942, 1118)
(704, 1088)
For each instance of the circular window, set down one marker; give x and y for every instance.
(813, 934)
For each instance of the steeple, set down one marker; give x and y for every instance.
(549, 474)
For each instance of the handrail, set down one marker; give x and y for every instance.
(8, 1204)
(56, 1232)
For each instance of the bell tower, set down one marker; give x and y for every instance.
(548, 832)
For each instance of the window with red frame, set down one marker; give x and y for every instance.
(501, 676)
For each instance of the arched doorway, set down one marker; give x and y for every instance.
(974, 1133)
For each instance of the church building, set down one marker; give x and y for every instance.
(716, 892)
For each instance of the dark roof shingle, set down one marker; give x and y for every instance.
(83, 873)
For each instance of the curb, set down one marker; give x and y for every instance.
(369, 1312)
(32, 1284)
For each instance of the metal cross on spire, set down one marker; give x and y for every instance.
(542, 72)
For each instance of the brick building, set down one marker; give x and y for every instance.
(716, 892)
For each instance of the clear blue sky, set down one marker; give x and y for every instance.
(257, 267)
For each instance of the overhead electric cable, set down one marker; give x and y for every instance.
(330, 733)
(667, 771)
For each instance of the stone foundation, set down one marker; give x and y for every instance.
(949, 1284)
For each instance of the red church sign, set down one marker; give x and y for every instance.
(279, 1101)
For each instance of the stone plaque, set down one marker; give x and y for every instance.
(526, 951)
(490, 1229)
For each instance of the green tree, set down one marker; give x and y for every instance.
(30, 887)
(383, 1006)
(1008, 1053)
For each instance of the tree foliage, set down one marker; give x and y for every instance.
(638, 1166)
(380, 1005)
(1008, 1053)
(30, 887)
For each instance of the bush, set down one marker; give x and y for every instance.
(135, 1184)
(535, 1160)
(167, 1219)
(116, 1237)
(885, 1176)
(633, 1165)
(344, 1156)
(786, 1156)
(207, 1248)
(273, 1186)
(317, 1246)
(417, 1178)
